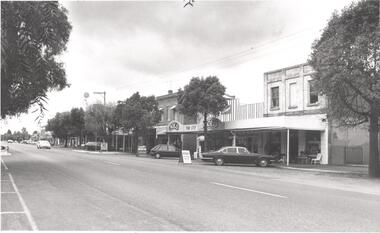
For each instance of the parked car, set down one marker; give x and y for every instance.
(93, 146)
(43, 144)
(164, 150)
(237, 154)
(10, 141)
(141, 149)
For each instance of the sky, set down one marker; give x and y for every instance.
(122, 47)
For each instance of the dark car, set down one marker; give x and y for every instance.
(236, 154)
(164, 150)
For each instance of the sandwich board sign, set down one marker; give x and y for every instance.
(185, 157)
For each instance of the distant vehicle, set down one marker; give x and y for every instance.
(164, 150)
(10, 141)
(43, 144)
(93, 145)
(141, 149)
(24, 142)
(237, 154)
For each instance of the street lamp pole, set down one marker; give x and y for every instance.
(102, 93)
(105, 125)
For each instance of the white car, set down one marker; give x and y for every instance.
(43, 144)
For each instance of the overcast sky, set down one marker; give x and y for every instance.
(122, 47)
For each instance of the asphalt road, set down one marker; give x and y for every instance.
(64, 190)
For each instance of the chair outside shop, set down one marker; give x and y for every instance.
(317, 159)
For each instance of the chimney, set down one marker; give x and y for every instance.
(170, 92)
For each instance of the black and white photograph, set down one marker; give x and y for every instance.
(190, 115)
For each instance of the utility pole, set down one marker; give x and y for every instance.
(104, 102)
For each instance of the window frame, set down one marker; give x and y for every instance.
(272, 99)
(314, 92)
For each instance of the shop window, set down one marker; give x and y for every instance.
(275, 98)
(313, 93)
(313, 142)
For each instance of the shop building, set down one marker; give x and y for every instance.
(290, 122)
(170, 129)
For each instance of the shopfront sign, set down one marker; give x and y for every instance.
(160, 130)
(190, 128)
(213, 123)
(174, 126)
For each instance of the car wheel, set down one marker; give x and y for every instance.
(219, 161)
(157, 156)
(263, 163)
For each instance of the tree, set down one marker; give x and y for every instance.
(25, 134)
(98, 119)
(137, 113)
(77, 122)
(346, 59)
(202, 96)
(61, 126)
(33, 34)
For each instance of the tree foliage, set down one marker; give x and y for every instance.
(346, 59)
(202, 96)
(67, 124)
(33, 34)
(137, 113)
(16, 136)
(98, 119)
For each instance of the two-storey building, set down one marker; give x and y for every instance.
(291, 121)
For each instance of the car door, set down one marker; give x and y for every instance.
(231, 155)
(244, 155)
(172, 152)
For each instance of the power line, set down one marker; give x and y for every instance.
(241, 54)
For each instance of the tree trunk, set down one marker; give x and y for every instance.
(374, 166)
(66, 142)
(135, 141)
(205, 147)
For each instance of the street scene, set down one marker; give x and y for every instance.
(190, 116)
(68, 190)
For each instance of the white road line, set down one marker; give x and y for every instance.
(25, 208)
(249, 190)
(109, 162)
(5, 166)
(12, 212)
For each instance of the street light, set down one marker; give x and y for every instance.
(101, 93)
(105, 124)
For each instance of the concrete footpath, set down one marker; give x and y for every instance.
(354, 170)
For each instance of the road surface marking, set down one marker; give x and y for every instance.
(249, 190)
(7, 192)
(25, 208)
(112, 163)
(5, 166)
(12, 212)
